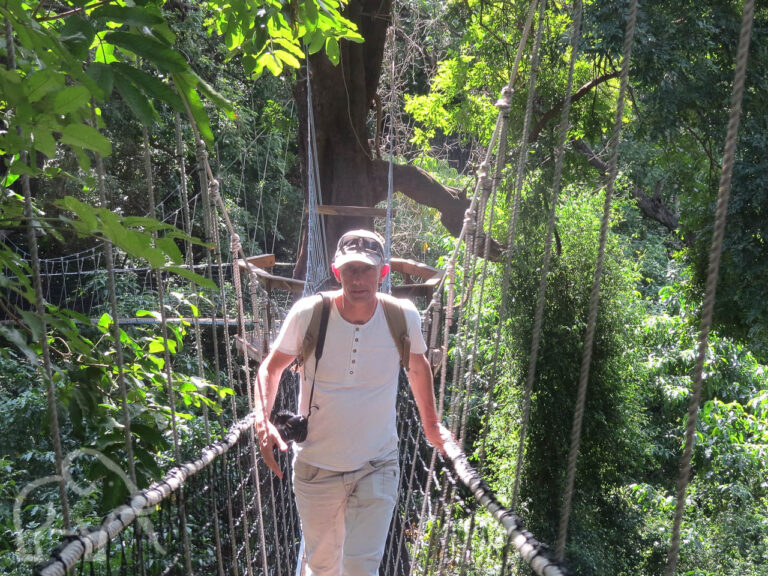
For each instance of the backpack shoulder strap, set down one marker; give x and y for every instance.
(398, 327)
(314, 337)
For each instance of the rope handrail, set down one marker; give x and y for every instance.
(90, 540)
(535, 553)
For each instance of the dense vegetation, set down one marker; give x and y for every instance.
(111, 82)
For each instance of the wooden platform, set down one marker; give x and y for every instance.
(419, 280)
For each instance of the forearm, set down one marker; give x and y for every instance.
(267, 384)
(266, 391)
(420, 378)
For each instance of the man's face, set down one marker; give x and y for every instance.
(359, 281)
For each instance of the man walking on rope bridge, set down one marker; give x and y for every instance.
(346, 471)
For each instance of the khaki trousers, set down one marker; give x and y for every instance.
(345, 516)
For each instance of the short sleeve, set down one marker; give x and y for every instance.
(413, 319)
(289, 339)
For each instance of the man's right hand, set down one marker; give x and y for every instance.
(269, 439)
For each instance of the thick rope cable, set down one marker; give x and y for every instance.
(504, 105)
(211, 198)
(216, 200)
(713, 269)
(448, 282)
(522, 162)
(90, 540)
(594, 299)
(533, 552)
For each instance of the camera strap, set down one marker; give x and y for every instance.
(324, 314)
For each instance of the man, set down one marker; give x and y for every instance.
(346, 472)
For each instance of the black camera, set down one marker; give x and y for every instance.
(291, 427)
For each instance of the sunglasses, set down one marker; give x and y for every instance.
(359, 244)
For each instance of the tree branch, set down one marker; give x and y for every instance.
(651, 206)
(420, 187)
(575, 97)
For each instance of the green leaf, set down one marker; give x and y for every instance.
(85, 213)
(101, 73)
(44, 141)
(270, 61)
(168, 245)
(104, 52)
(151, 436)
(18, 339)
(105, 322)
(156, 346)
(288, 58)
(84, 136)
(133, 16)
(160, 55)
(309, 10)
(151, 86)
(192, 276)
(185, 84)
(77, 35)
(222, 103)
(332, 50)
(314, 41)
(138, 103)
(152, 313)
(38, 84)
(70, 99)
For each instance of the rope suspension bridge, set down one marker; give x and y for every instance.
(221, 511)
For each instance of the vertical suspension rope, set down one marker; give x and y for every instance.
(189, 260)
(53, 414)
(535, 60)
(115, 328)
(32, 227)
(723, 195)
(167, 358)
(504, 104)
(235, 249)
(387, 284)
(594, 299)
(118, 344)
(211, 197)
(317, 252)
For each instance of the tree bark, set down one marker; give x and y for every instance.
(342, 96)
(651, 206)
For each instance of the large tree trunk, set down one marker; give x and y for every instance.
(342, 97)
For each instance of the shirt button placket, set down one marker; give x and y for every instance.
(354, 350)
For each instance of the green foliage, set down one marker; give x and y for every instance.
(725, 527)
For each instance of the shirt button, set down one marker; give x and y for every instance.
(351, 372)
(353, 361)
(354, 349)
(356, 339)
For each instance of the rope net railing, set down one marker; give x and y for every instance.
(220, 512)
(429, 533)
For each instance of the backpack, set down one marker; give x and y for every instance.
(314, 337)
